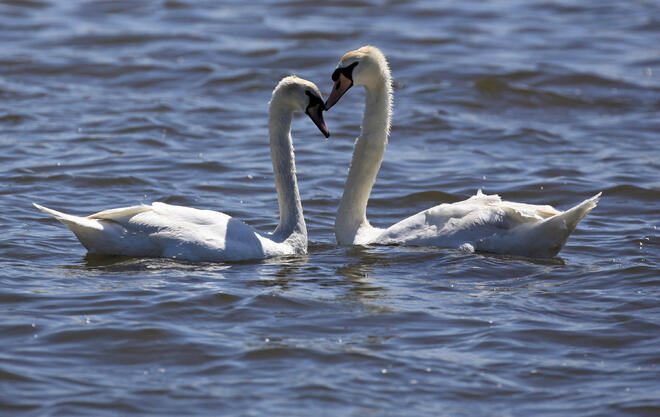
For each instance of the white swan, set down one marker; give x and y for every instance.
(482, 222)
(163, 230)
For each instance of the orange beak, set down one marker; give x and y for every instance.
(340, 87)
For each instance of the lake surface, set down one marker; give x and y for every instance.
(114, 103)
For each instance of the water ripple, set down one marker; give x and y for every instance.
(108, 104)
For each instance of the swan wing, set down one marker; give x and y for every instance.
(452, 225)
(164, 230)
(486, 223)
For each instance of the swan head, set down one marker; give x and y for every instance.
(365, 66)
(297, 93)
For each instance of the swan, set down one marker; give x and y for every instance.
(169, 231)
(480, 223)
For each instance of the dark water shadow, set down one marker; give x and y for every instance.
(403, 253)
(93, 261)
(555, 261)
(358, 265)
(116, 263)
(288, 268)
(358, 270)
(277, 271)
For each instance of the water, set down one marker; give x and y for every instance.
(108, 104)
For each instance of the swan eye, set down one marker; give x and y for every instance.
(345, 71)
(313, 99)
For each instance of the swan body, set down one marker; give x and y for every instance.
(480, 223)
(164, 230)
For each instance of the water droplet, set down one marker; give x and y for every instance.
(383, 371)
(648, 72)
(428, 369)
(266, 340)
(413, 382)
(161, 370)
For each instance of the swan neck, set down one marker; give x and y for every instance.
(284, 169)
(365, 164)
(378, 110)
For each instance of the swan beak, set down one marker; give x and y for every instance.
(315, 113)
(342, 85)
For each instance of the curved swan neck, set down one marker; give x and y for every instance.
(366, 160)
(284, 168)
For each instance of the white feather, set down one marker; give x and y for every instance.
(482, 222)
(163, 230)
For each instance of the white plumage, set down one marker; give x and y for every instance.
(482, 222)
(164, 230)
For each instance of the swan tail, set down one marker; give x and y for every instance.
(555, 230)
(572, 216)
(542, 239)
(72, 222)
(85, 229)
